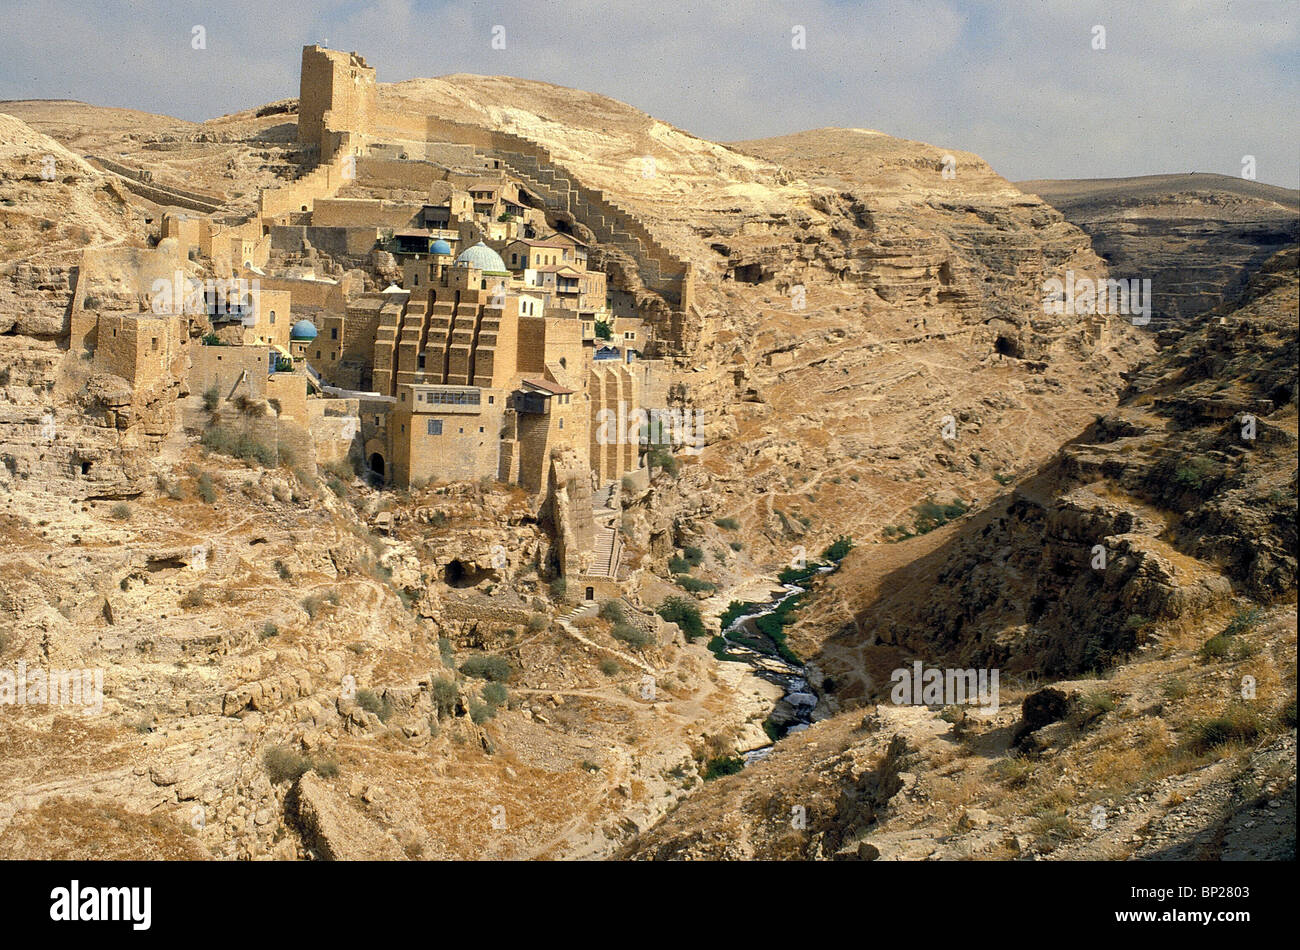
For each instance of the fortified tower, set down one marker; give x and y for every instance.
(336, 100)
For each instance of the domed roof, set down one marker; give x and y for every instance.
(440, 247)
(484, 258)
(303, 330)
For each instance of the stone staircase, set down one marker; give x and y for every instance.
(606, 553)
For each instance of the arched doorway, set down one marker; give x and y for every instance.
(591, 593)
(376, 465)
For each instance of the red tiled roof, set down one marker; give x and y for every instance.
(554, 389)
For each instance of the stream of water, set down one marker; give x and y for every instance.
(794, 711)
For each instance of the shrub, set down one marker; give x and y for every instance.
(193, 598)
(207, 491)
(604, 331)
(269, 630)
(610, 667)
(612, 610)
(723, 765)
(493, 668)
(679, 565)
(312, 603)
(559, 588)
(731, 524)
(1217, 647)
(121, 511)
(662, 458)
(211, 397)
(537, 622)
(369, 701)
(685, 614)
(929, 514)
(695, 584)
(1243, 621)
(1197, 472)
(736, 546)
(481, 713)
(694, 556)
(632, 636)
(839, 549)
(495, 694)
(1238, 723)
(445, 695)
(285, 765)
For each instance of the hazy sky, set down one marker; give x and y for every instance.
(1182, 85)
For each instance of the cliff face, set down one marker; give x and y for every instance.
(1197, 237)
(1165, 508)
(1160, 545)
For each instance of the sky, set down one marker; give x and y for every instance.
(1039, 88)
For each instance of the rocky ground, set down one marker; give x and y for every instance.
(286, 679)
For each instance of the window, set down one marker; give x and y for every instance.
(318, 354)
(462, 430)
(334, 332)
(492, 400)
(435, 427)
(272, 318)
(561, 423)
(480, 429)
(421, 361)
(154, 344)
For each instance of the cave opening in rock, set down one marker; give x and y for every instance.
(749, 273)
(1008, 346)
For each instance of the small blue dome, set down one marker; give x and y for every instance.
(303, 330)
(440, 247)
(484, 258)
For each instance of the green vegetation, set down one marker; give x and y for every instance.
(1197, 472)
(493, 668)
(445, 695)
(632, 636)
(480, 713)
(736, 608)
(930, 514)
(839, 549)
(612, 610)
(207, 491)
(731, 524)
(610, 667)
(679, 565)
(537, 622)
(269, 630)
(736, 545)
(121, 511)
(1239, 723)
(285, 765)
(1004, 478)
(723, 765)
(495, 694)
(372, 703)
(559, 588)
(241, 445)
(604, 331)
(661, 457)
(694, 584)
(693, 556)
(685, 614)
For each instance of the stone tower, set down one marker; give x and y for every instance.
(336, 99)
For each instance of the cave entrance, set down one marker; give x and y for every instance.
(461, 575)
(749, 273)
(376, 464)
(1009, 346)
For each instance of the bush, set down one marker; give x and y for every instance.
(445, 695)
(369, 701)
(537, 622)
(662, 458)
(632, 636)
(736, 546)
(1198, 472)
(493, 668)
(612, 610)
(604, 331)
(695, 584)
(285, 765)
(731, 524)
(481, 713)
(610, 667)
(694, 556)
(839, 549)
(559, 588)
(679, 565)
(495, 694)
(211, 397)
(207, 491)
(269, 630)
(685, 614)
(723, 765)
(1239, 723)
(240, 445)
(929, 514)
(193, 598)
(121, 511)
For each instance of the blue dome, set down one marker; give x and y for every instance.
(440, 247)
(303, 330)
(484, 258)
